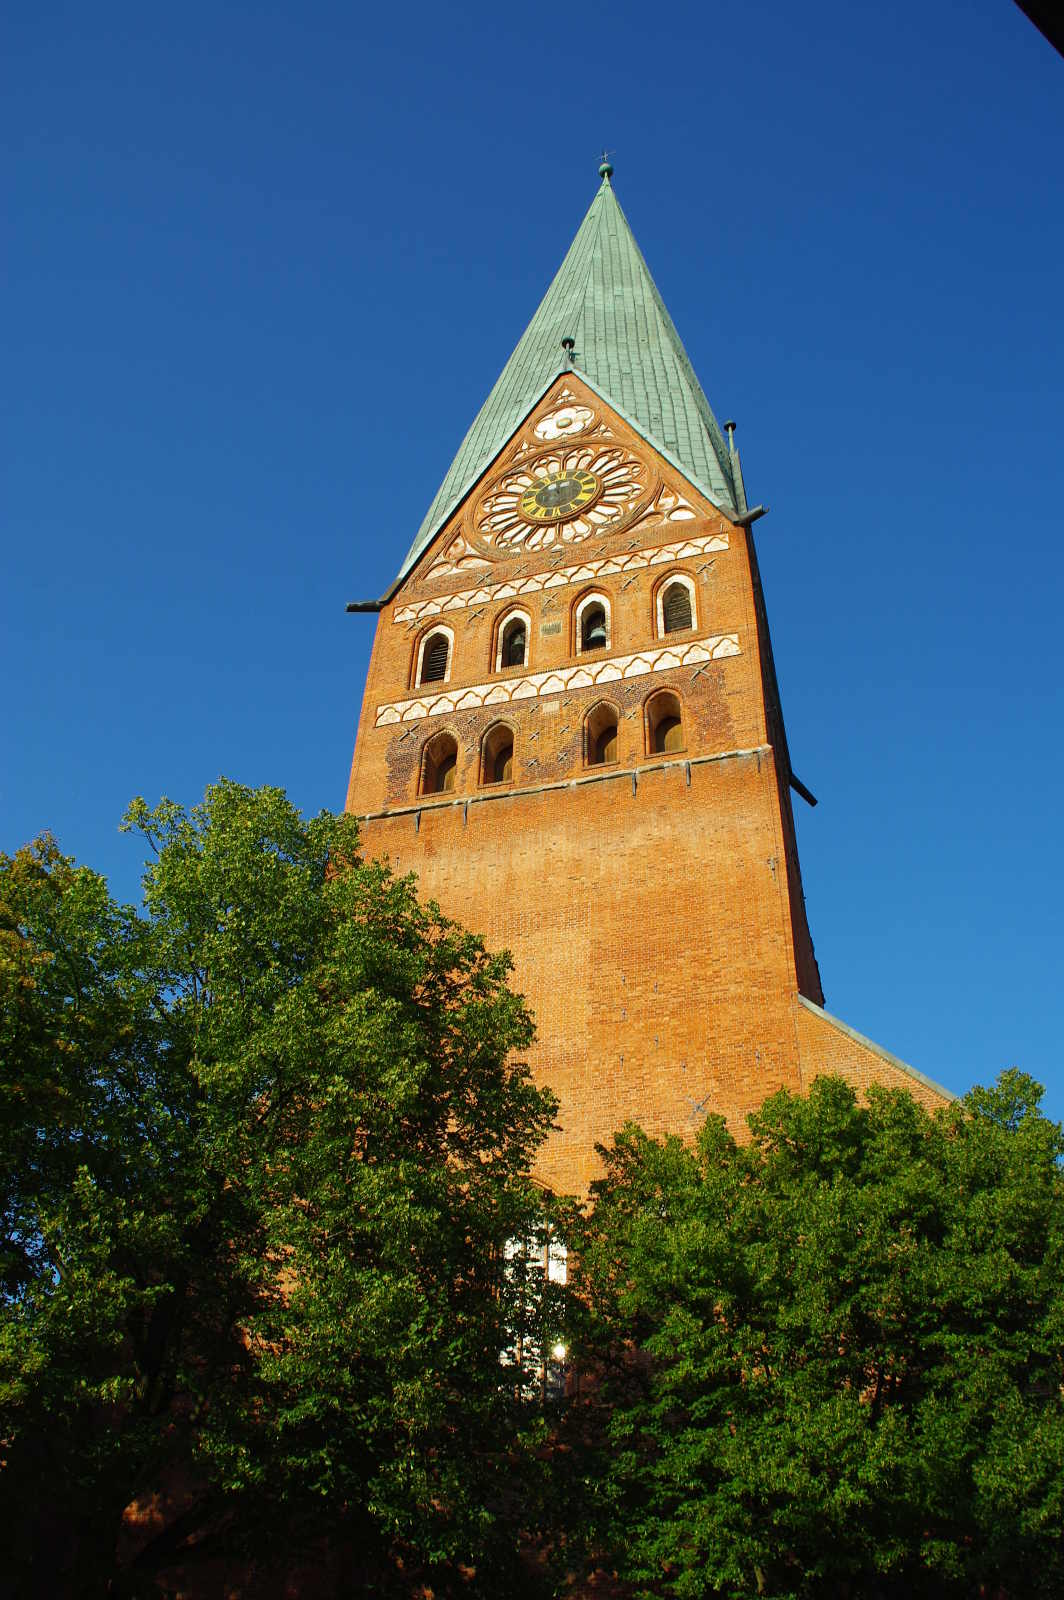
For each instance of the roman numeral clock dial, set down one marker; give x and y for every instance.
(561, 495)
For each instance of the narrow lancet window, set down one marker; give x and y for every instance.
(676, 608)
(497, 755)
(600, 735)
(514, 643)
(434, 658)
(439, 765)
(665, 735)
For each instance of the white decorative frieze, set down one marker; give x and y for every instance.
(581, 675)
(560, 577)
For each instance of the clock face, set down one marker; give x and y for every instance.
(559, 496)
(562, 494)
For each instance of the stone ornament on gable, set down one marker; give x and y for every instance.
(566, 478)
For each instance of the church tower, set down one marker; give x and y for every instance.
(572, 731)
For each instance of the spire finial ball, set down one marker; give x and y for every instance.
(606, 165)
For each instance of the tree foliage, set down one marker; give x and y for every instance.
(262, 1144)
(829, 1361)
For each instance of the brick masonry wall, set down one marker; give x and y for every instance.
(653, 907)
(828, 1048)
(650, 934)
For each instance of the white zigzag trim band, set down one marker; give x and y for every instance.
(580, 676)
(560, 577)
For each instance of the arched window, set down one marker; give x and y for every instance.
(497, 755)
(512, 647)
(434, 656)
(664, 724)
(592, 623)
(676, 606)
(600, 735)
(439, 765)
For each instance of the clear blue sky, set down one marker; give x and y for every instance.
(263, 264)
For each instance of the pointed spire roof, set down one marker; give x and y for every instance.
(625, 347)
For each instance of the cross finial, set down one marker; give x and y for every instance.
(606, 165)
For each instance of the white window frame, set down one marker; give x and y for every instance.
(430, 633)
(667, 583)
(515, 614)
(596, 598)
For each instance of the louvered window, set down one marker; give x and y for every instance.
(445, 774)
(676, 607)
(434, 660)
(504, 764)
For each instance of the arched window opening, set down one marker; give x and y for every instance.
(591, 624)
(440, 765)
(676, 608)
(497, 755)
(665, 725)
(601, 735)
(514, 643)
(593, 628)
(434, 658)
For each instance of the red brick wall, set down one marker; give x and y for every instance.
(650, 934)
(828, 1048)
(654, 908)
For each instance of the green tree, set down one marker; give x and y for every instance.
(829, 1361)
(263, 1143)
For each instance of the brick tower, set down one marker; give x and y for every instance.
(572, 731)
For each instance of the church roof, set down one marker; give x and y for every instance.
(625, 346)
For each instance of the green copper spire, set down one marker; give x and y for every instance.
(604, 308)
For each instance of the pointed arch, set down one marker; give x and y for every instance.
(592, 623)
(600, 734)
(439, 764)
(434, 655)
(497, 754)
(663, 722)
(513, 639)
(675, 604)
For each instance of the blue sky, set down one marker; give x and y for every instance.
(264, 263)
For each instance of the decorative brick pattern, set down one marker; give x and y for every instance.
(583, 674)
(656, 920)
(560, 577)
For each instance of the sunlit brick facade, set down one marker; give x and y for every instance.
(571, 730)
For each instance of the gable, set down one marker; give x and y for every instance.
(604, 304)
(497, 535)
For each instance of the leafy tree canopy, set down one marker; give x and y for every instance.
(262, 1144)
(829, 1361)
